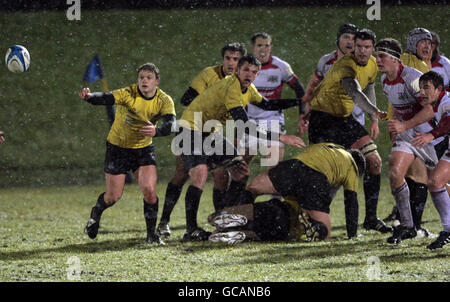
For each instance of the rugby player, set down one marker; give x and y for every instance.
(223, 101)
(129, 143)
(308, 182)
(231, 53)
(331, 118)
(439, 63)
(401, 86)
(432, 93)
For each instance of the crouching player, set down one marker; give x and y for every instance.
(129, 143)
(432, 93)
(308, 181)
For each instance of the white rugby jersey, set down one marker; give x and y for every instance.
(269, 83)
(322, 68)
(403, 93)
(442, 66)
(442, 108)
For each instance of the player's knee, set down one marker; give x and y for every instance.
(370, 152)
(149, 194)
(112, 197)
(435, 183)
(395, 174)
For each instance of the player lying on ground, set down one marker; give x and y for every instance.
(309, 182)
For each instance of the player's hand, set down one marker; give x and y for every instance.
(422, 139)
(303, 124)
(84, 93)
(239, 172)
(396, 127)
(292, 140)
(148, 130)
(2, 138)
(374, 130)
(381, 115)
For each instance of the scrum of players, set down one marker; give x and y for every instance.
(247, 88)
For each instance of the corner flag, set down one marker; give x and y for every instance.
(94, 71)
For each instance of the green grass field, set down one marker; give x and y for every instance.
(52, 162)
(41, 229)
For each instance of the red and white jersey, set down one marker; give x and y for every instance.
(322, 68)
(442, 66)
(269, 83)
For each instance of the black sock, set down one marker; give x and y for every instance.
(234, 193)
(246, 197)
(371, 192)
(218, 199)
(151, 215)
(418, 198)
(173, 192)
(193, 196)
(99, 207)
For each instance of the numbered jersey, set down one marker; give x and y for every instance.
(323, 66)
(442, 66)
(269, 83)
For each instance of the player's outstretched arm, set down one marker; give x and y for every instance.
(277, 104)
(353, 89)
(96, 98)
(424, 115)
(189, 95)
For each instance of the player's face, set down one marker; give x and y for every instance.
(346, 42)
(428, 93)
(424, 49)
(262, 49)
(247, 74)
(147, 82)
(230, 61)
(385, 62)
(363, 51)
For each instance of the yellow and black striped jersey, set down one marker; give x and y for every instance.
(334, 162)
(331, 97)
(207, 77)
(215, 102)
(132, 112)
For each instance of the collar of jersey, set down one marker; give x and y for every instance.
(146, 98)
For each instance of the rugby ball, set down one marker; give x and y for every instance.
(17, 58)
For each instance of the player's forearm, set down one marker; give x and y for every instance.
(351, 212)
(277, 104)
(100, 98)
(442, 128)
(189, 95)
(165, 129)
(353, 89)
(424, 115)
(370, 93)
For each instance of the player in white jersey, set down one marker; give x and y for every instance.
(440, 63)
(269, 82)
(432, 93)
(401, 86)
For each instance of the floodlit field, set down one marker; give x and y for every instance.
(52, 162)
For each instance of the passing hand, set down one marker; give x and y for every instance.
(422, 139)
(84, 93)
(148, 130)
(292, 140)
(396, 127)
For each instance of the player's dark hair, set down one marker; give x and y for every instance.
(390, 46)
(236, 46)
(261, 35)
(436, 41)
(433, 77)
(359, 159)
(149, 67)
(366, 34)
(250, 59)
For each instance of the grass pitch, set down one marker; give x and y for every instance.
(42, 239)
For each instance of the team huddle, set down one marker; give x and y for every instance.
(246, 89)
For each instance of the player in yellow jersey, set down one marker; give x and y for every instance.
(308, 181)
(231, 53)
(223, 101)
(351, 80)
(129, 143)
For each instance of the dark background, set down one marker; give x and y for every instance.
(164, 4)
